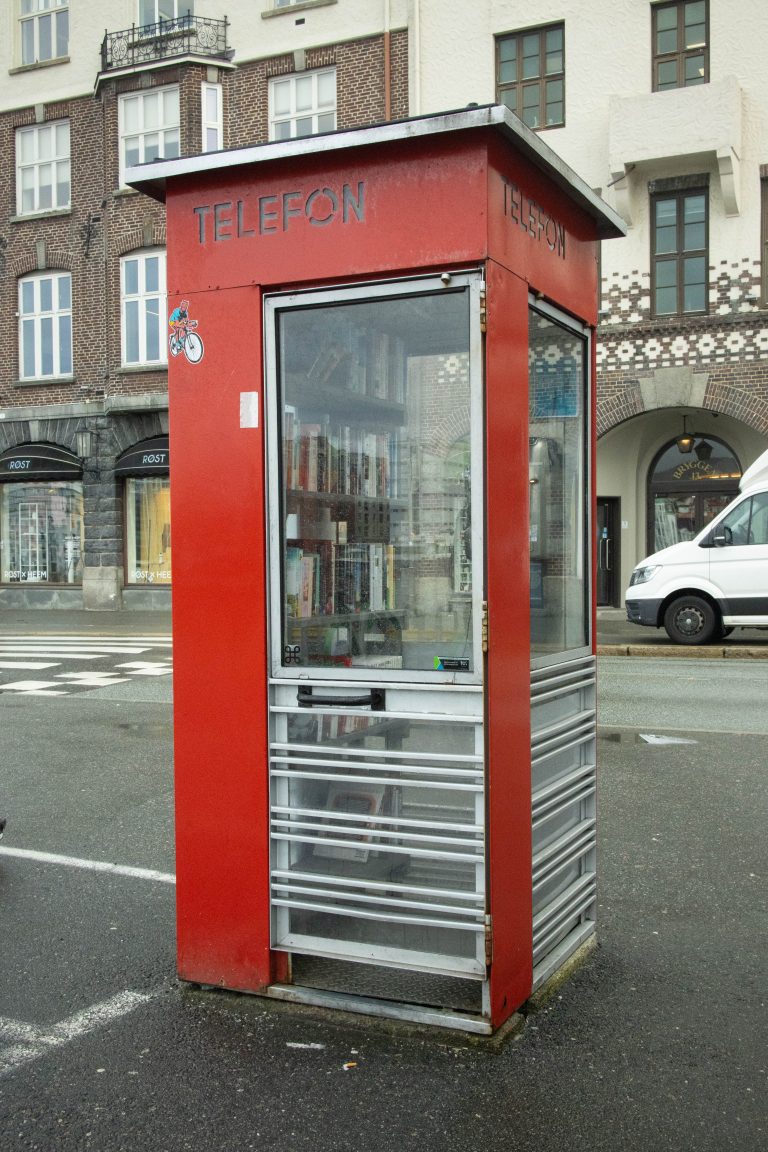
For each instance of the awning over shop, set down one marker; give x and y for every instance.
(149, 458)
(39, 462)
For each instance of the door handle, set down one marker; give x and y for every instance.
(375, 700)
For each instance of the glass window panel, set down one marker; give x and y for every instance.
(694, 20)
(530, 56)
(666, 75)
(554, 90)
(557, 431)
(45, 187)
(326, 122)
(326, 89)
(62, 138)
(304, 126)
(44, 37)
(377, 560)
(44, 143)
(151, 147)
(28, 190)
(147, 11)
(554, 40)
(65, 345)
(153, 330)
(148, 530)
(42, 528)
(28, 42)
(510, 99)
(281, 98)
(171, 106)
(666, 273)
(171, 144)
(62, 184)
(282, 131)
(151, 274)
(665, 212)
(553, 63)
(64, 285)
(28, 296)
(211, 139)
(46, 346)
(694, 70)
(666, 42)
(304, 93)
(62, 33)
(26, 146)
(508, 50)
(666, 18)
(28, 348)
(131, 277)
(211, 93)
(508, 72)
(666, 301)
(150, 106)
(132, 355)
(46, 295)
(130, 109)
(694, 284)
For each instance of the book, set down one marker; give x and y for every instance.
(362, 800)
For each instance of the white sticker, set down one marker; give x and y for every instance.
(249, 409)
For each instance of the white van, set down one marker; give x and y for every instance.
(701, 589)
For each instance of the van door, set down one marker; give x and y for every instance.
(738, 561)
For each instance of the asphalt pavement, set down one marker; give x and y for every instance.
(657, 1041)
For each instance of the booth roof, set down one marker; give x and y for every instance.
(153, 178)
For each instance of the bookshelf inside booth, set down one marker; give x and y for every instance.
(375, 502)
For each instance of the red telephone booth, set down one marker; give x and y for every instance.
(381, 418)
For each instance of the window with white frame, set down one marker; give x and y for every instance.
(45, 326)
(153, 11)
(44, 28)
(142, 285)
(302, 104)
(42, 167)
(212, 117)
(149, 126)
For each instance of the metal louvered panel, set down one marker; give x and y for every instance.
(378, 837)
(563, 739)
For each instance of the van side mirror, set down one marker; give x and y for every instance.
(722, 537)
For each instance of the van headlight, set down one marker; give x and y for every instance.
(642, 575)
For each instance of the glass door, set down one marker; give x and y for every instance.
(376, 588)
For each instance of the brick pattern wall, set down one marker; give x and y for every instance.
(729, 346)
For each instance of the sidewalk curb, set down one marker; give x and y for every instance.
(677, 651)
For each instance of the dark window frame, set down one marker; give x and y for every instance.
(520, 84)
(681, 54)
(680, 254)
(764, 236)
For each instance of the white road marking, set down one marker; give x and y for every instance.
(27, 685)
(147, 667)
(32, 1041)
(89, 865)
(27, 665)
(71, 650)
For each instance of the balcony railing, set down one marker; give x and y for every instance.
(150, 43)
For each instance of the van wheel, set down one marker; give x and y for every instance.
(691, 620)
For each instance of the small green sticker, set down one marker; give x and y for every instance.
(445, 664)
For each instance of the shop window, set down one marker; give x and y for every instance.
(530, 75)
(680, 44)
(302, 104)
(142, 277)
(212, 117)
(44, 30)
(42, 167)
(45, 326)
(148, 530)
(148, 126)
(41, 532)
(688, 489)
(679, 252)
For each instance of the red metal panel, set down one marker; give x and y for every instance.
(340, 216)
(219, 617)
(508, 668)
(537, 232)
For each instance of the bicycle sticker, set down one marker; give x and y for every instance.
(183, 337)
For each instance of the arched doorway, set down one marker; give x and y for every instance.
(687, 489)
